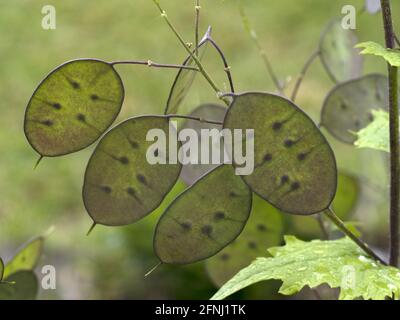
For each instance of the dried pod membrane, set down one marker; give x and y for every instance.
(73, 106)
(338, 55)
(347, 108)
(22, 285)
(185, 78)
(120, 185)
(203, 219)
(263, 230)
(26, 258)
(294, 166)
(373, 6)
(214, 112)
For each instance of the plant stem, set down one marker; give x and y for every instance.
(196, 27)
(322, 226)
(263, 54)
(195, 59)
(227, 68)
(193, 118)
(303, 73)
(339, 223)
(150, 63)
(394, 138)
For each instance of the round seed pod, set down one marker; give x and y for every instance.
(204, 219)
(294, 166)
(73, 106)
(121, 186)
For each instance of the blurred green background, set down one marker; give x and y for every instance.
(111, 262)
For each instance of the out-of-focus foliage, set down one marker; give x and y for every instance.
(376, 134)
(339, 263)
(390, 55)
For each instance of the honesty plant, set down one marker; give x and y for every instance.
(294, 166)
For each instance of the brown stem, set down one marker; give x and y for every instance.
(394, 138)
(303, 73)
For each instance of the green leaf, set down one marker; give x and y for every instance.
(337, 53)
(1, 269)
(26, 259)
(120, 185)
(392, 56)
(348, 107)
(214, 112)
(184, 79)
(339, 263)
(294, 166)
(263, 230)
(22, 285)
(204, 219)
(73, 106)
(376, 134)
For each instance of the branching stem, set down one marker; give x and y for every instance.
(394, 138)
(196, 27)
(189, 51)
(150, 63)
(193, 118)
(303, 73)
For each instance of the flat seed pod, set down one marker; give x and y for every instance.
(338, 55)
(22, 285)
(184, 79)
(214, 112)
(263, 230)
(120, 185)
(203, 219)
(26, 259)
(347, 108)
(347, 198)
(73, 106)
(294, 166)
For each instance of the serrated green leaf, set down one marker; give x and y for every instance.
(22, 285)
(338, 263)
(392, 56)
(120, 185)
(73, 106)
(184, 79)
(26, 259)
(204, 219)
(338, 55)
(376, 134)
(214, 112)
(294, 166)
(263, 230)
(347, 108)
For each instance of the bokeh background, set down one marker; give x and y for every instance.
(111, 262)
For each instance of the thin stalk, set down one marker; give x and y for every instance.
(322, 226)
(193, 118)
(150, 63)
(184, 44)
(227, 68)
(196, 27)
(303, 73)
(263, 54)
(339, 223)
(394, 138)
